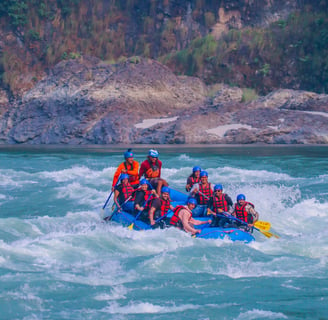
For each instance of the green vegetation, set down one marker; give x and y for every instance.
(261, 58)
(290, 53)
(249, 95)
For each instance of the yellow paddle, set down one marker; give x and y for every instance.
(263, 225)
(268, 234)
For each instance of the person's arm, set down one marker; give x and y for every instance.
(232, 211)
(198, 222)
(194, 189)
(117, 175)
(116, 194)
(210, 207)
(159, 168)
(184, 216)
(151, 215)
(156, 204)
(143, 169)
(253, 212)
(138, 201)
(188, 184)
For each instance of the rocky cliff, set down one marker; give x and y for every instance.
(85, 101)
(36, 35)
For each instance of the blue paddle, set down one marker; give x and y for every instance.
(110, 195)
(266, 233)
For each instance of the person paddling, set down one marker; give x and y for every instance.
(193, 178)
(202, 191)
(151, 170)
(124, 194)
(160, 207)
(220, 202)
(143, 197)
(182, 217)
(244, 211)
(129, 166)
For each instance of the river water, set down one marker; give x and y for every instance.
(58, 260)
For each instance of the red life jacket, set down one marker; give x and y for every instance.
(147, 199)
(193, 180)
(127, 191)
(165, 206)
(175, 219)
(207, 191)
(220, 203)
(242, 214)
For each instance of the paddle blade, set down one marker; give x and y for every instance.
(263, 225)
(130, 227)
(269, 234)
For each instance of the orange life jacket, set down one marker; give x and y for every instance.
(132, 179)
(153, 171)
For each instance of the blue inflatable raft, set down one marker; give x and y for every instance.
(207, 232)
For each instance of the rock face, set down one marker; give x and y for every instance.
(87, 102)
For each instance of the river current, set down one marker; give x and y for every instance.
(59, 260)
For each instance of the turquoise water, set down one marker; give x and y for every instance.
(58, 260)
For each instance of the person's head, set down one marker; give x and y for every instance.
(218, 189)
(144, 184)
(241, 199)
(196, 171)
(165, 193)
(124, 178)
(203, 176)
(128, 156)
(153, 155)
(191, 203)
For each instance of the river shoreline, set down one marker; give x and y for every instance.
(256, 149)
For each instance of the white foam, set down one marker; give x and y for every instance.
(259, 314)
(80, 193)
(80, 172)
(148, 308)
(118, 292)
(14, 178)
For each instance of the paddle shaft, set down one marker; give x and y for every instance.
(266, 233)
(110, 195)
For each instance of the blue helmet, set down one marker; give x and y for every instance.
(165, 189)
(128, 154)
(218, 187)
(203, 174)
(192, 201)
(124, 176)
(241, 197)
(196, 168)
(143, 181)
(153, 153)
